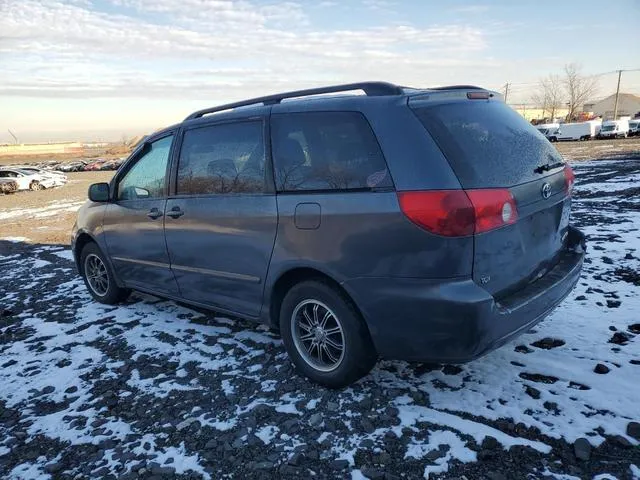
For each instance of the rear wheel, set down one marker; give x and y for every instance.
(35, 185)
(325, 336)
(99, 278)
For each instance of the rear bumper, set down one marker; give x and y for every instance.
(457, 321)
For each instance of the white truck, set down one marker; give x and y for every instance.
(546, 128)
(575, 131)
(634, 127)
(615, 129)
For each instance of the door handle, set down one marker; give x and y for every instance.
(154, 213)
(175, 212)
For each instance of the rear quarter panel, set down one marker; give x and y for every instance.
(364, 234)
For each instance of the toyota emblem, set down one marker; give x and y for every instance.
(546, 190)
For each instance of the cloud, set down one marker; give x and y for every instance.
(385, 5)
(195, 49)
(471, 9)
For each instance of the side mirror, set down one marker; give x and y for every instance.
(99, 192)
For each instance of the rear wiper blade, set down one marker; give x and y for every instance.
(547, 167)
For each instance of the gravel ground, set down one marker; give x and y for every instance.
(151, 389)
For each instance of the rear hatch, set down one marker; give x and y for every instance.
(496, 153)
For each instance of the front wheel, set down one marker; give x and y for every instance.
(326, 338)
(35, 185)
(99, 278)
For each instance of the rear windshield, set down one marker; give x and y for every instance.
(487, 143)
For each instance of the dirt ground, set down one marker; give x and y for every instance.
(600, 149)
(47, 216)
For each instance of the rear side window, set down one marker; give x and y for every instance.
(221, 159)
(319, 151)
(487, 143)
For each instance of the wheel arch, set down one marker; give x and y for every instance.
(287, 279)
(82, 239)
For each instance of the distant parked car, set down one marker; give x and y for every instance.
(110, 165)
(27, 180)
(76, 166)
(93, 166)
(424, 225)
(58, 177)
(8, 185)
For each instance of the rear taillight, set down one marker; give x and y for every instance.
(494, 208)
(445, 212)
(569, 179)
(459, 213)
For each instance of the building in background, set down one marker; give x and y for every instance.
(531, 112)
(628, 105)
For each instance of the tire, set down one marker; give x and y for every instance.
(358, 355)
(35, 185)
(104, 291)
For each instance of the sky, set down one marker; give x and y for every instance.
(104, 69)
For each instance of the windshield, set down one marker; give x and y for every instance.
(488, 144)
(608, 128)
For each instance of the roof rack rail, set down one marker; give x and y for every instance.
(456, 87)
(372, 89)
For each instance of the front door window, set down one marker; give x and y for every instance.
(146, 179)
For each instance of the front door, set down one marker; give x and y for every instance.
(221, 223)
(134, 220)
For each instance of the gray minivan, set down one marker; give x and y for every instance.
(415, 224)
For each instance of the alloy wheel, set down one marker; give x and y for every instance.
(318, 335)
(96, 273)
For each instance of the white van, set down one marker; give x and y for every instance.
(576, 131)
(634, 127)
(614, 129)
(547, 128)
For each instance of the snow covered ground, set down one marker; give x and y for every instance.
(151, 388)
(50, 210)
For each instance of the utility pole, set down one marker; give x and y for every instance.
(15, 139)
(615, 107)
(506, 92)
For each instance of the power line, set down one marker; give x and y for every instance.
(601, 74)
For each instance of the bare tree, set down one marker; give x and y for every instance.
(579, 88)
(550, 95)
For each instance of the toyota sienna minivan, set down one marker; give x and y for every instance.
(415, 224)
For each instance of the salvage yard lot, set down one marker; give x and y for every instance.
(47, 216)
(151, 388)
